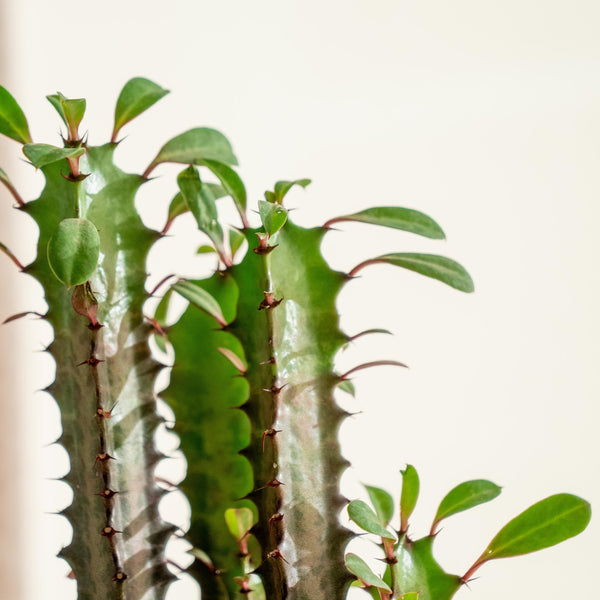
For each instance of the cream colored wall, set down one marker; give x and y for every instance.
(485, 115)
(14, 477)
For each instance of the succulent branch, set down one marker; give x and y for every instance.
(252, 386)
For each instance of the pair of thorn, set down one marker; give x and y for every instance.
(269, 433)
(92, 361)
(269, 301)
(274, 483)
(109, 531)
(107, 493)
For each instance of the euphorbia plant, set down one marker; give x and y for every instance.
(251, 388)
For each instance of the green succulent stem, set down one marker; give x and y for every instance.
(104, 387)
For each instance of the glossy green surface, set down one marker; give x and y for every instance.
(13, 123)
(396, 217)
(465, 496)
(546, 523)
(124, 379)
(73, 251)
(137, 96)
(204, 393)
(418, 571)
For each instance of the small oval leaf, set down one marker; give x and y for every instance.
(362, 514)
(41, 155)
(396, 217)
(194, 146)
(73, 251)
(273, 216)
(464, 496)
(437, 267)
(546, 523)
(201, 299)
(239, 522)
(137, 96)
(382, 502)
(409, 495)
(357, 566)
(13, 123)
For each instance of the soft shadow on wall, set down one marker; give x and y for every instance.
(12, 459)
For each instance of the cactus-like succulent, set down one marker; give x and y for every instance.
(251, 388)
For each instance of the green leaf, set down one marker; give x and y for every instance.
(201, 299)
(236, 239)
(205, 250)
(361, 569)
(73, 251)
(362, 514)
(464, 496)
(417, 569)
(273, 216)
(347, 386)
(70, 111)
(13, 123)
(195, 146)
(239, 521)
(41, 155)
(382, 502)
(202, 204)
(231, 182)
(409, 495)
(431, 265)
(282, 188)
(137, 96)
(410, 596)
(542, 525)
(396, 217)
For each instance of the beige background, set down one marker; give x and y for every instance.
(484, 114)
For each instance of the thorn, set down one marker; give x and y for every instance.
(276, 518)
(274, 483)
(270, 361)
(107, 414)
(375, 363)
(159, 284)
(269, 301)
(73, 178)
(271, 433)
(277, 554)
(12, 257)
(108, 494)
(21, 315)
(119, 577)
(274, 389)
(92, 361)
(156, 326)
(103, 457)
(109, 531)
(263, 244)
